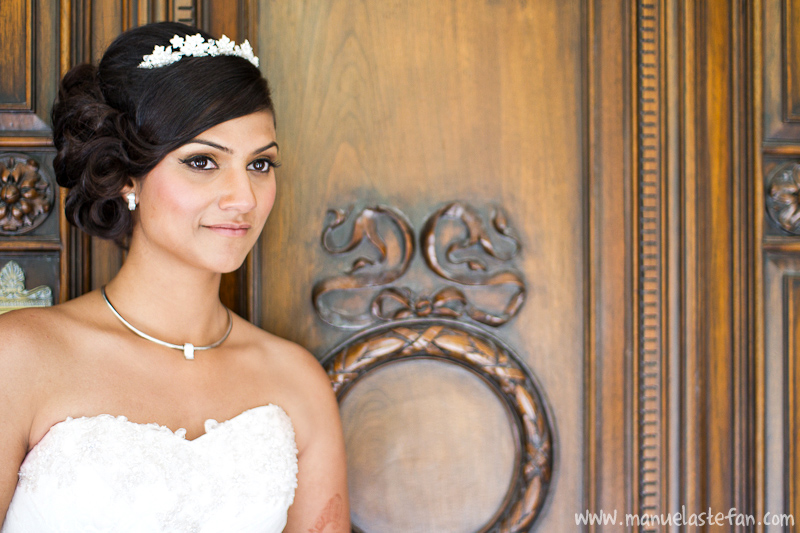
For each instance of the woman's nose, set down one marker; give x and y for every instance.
(237, 192)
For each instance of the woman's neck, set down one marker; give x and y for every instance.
(174, 303)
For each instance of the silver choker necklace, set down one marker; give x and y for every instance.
(188, 348)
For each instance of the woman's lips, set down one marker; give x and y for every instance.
(230, 230)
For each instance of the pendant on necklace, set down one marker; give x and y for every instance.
(188, 351)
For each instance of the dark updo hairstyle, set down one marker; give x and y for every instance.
(115, 122)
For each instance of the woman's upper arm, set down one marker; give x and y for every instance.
(321, 503)
(16, 402)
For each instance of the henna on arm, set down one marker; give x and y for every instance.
(331, 515)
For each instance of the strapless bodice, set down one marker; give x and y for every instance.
(105, 473)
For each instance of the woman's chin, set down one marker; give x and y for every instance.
(226, 267)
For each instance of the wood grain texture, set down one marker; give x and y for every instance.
(419, 104)
(423, 437)
(608, 451)
(717, 265)
(16, 28)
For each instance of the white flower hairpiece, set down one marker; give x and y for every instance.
(196, 46)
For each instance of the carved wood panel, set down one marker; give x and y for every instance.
(782, 76)
(791, 55)
(791, 318)
(781, 408)
(465, 261)
(32, 228)
(30, 54)
(777, 204)
(417, 107)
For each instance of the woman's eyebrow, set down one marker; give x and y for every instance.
(228, 150)
(211, 144)
(265, 148)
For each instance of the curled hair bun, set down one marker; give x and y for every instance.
(112, 124)
(91, 157)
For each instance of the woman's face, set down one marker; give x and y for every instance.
(206, 202)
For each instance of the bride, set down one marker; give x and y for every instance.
(147, 405)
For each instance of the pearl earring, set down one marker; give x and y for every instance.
(131, 201)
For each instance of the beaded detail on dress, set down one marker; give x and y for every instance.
(104, 473)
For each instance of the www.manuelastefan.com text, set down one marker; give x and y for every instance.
(681, 518)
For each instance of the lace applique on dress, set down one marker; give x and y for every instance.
(105, 473)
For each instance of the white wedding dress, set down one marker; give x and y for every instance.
(106, 474)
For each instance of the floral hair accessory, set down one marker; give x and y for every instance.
(196, 46)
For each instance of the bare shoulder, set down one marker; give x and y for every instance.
(32, 332)
(285, 356)
(28, 338)
(38, 340)
(301, 385)
(27, 335)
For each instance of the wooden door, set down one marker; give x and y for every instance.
(628, 146)
(412, 106)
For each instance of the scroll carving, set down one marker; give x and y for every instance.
(13, 294)
(470, 260)
(390, 264)
(473, 250)
(26, 195)
(783, 198)
(451, 340)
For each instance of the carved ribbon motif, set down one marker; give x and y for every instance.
(450, 340)
(26, 195)
(13, 294)
(392, 303)
(477, 241)
(365, 272)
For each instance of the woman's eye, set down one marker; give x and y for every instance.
(199, 162)
(263, 165)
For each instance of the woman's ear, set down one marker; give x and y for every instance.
(131, 187)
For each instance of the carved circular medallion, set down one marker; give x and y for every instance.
(26, 194)
(467, 346)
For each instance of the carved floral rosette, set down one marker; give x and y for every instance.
(460, 343)
(26, 194)
(782, 198)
